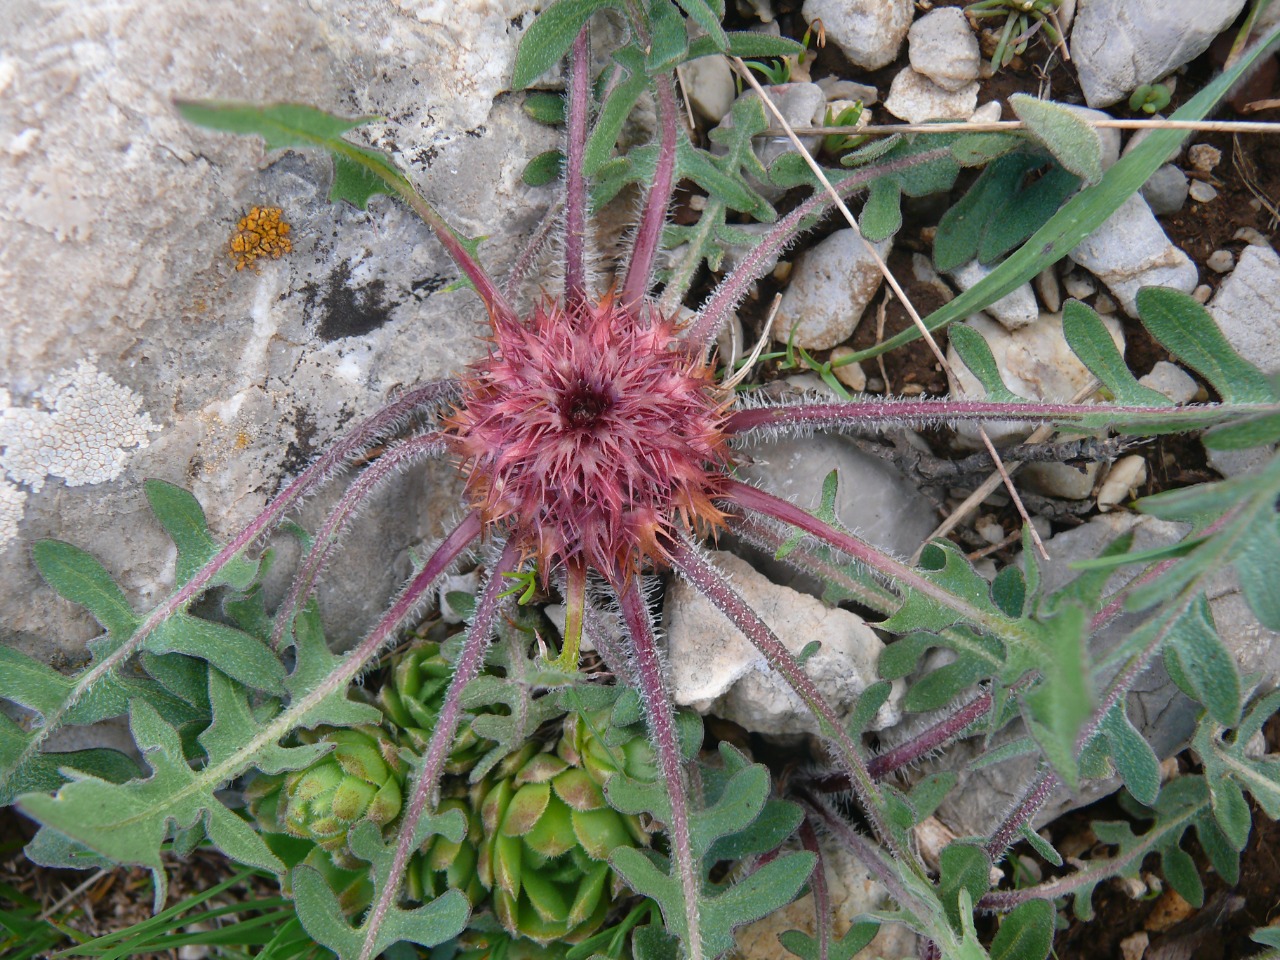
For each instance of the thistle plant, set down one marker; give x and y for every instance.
(598, 441)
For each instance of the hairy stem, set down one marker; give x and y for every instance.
(751, 498)
(654, 218)
(862, 413)
(818, 884)
(341, 452)
(1003, 900)
(725, 599)
(934, 738)
(662, 728)
(395, 458)
(715, 312)
(575, 219)
(1007, 833)
(428, 779)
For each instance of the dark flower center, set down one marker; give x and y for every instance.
(583, 405)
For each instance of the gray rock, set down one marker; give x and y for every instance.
(943, 47)
(1118, 45)
(1034, 361)
(1156, 707)
(1013, 310)
(709, 87)
(874, 500)
(831, 285)
(803, 105)
(1202, 192)
(713, 668)
(1130, 251)
(1171, 380)
(1247, 307)
(244, 375)
(1220, 261)
(1165, 190)
(916, 98)
(836, 89)
(868, 32)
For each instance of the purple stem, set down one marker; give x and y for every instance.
(396, 456)
(862, 412)
(424, 788)
(649, 237)
(715, 312)
(575, 221)
(653, 691)
(1007, 833)
(868, 854)
(750, 498)
(818, 884)
(725, 599)
(937, 736)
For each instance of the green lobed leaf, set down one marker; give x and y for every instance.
(1201, 665)
(550, 36)
(964, 867)
(183, 519)
(1134, 759)
(1059, 705)
(707, 17)
(843, 948)
(1074, 142)
(543, 169)
(237, 654)
(129, 822)
(548, 108)
(77, 576)
(746, 45)
(358, 172)
(1090, 341)
(1026, 932)
(1184, 328)
(668, 38)
(975, 353)
(881, 215)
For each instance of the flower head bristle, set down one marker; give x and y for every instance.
(593, 435)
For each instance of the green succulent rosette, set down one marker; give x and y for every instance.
(547, 835)
(361, 778)
(412, 699)
(595, 742)
(444, 865)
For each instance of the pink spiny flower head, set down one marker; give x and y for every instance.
(594, 434)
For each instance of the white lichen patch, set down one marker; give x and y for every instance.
(13, 502)
(82, 432)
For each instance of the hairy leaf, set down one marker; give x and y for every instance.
(1073, 141)
(550, 36)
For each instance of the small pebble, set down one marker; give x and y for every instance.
(1104, 304)
(1126, 474)
(1050, 291)
(912, 390)
(1204, 157)
(850, 374)
(1251, 236)
(835, 89)
(1202, 192)
(987, 113)
(875, 385)
(1133, 947)
(1220, 261)
(1079, 286)
(1171, 380)
(989, 529)
(1202, 293)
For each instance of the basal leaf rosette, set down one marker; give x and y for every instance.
(361, 778)
(444, 865)
(411, 701)
(547, 835)
(594, 741)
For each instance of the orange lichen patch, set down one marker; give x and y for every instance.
(260, 233)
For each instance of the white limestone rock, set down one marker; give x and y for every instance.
(943, 47)
(1247, 307)
(868, 32)
(831, 285)
(916, 98)
(1014, 310)
(1118, 45)
(713, 668)
(1130, 250)
(116, 218)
